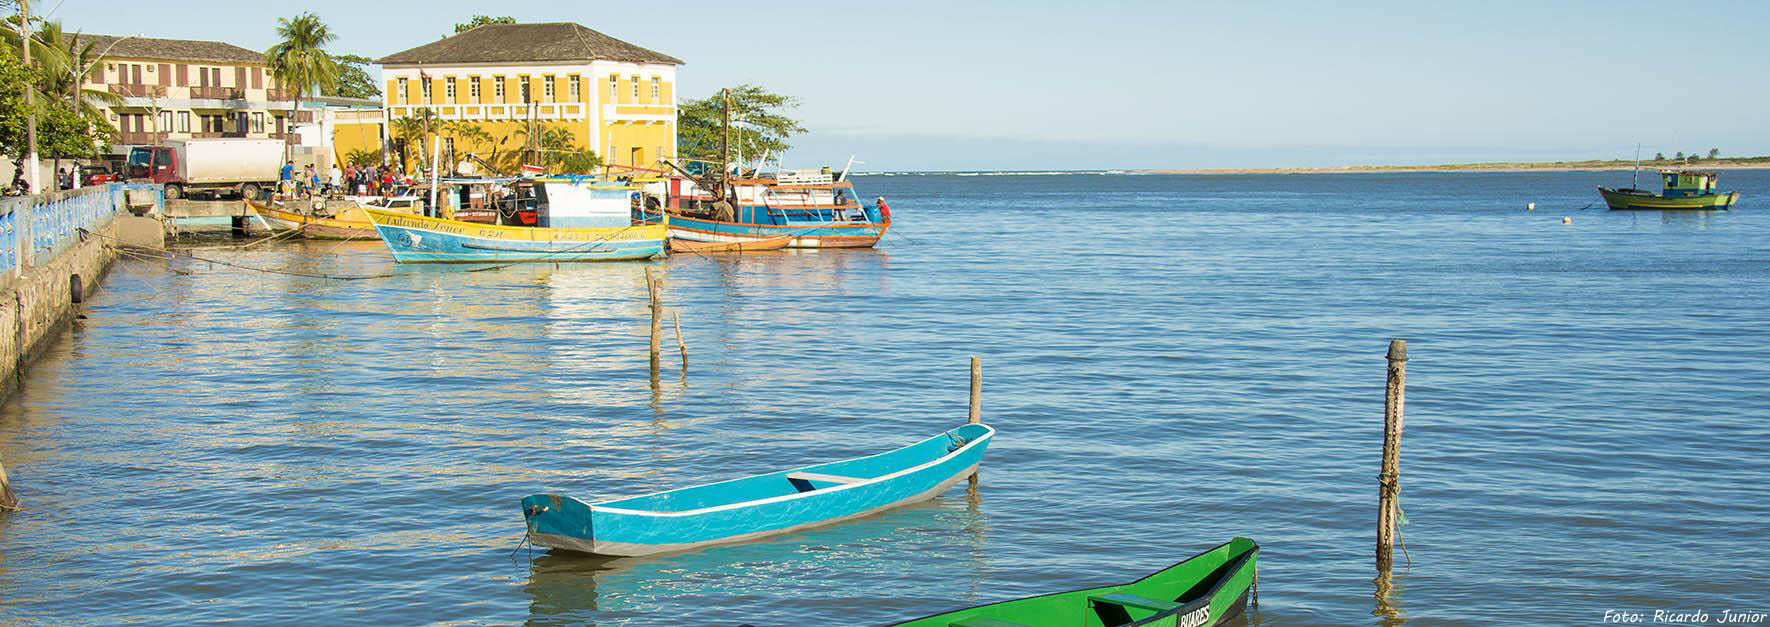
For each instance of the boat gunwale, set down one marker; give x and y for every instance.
(499, 227)
(1239, 563)
(795, 227)
(602, 507)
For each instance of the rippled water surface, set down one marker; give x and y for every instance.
(1171, 361)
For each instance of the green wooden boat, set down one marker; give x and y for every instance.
(1684, 189)
(1206, 589)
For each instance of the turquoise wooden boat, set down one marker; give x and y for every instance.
(760, 505)
(545, 220)
(1206, 589)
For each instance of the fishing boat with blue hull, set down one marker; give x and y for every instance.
(547, 220)
(811, 208)
(757, 506)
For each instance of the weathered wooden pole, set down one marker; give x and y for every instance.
(651, 290)
(976, 398)
(676, 316)
(1389, 482)
(8, 500)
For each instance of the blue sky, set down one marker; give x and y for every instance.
(914, 85)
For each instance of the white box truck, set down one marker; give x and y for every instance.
(213, 165)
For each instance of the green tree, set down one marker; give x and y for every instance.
(300, 61)
(758, 123)
(354, 80)
(583, 161)
(413, 132)
(1714, 153)
(362, 157)
(68, 124)
(15, 78)
(1659, 156)
(482, 20)
(1679, 156)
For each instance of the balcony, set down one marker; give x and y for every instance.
(279, 94)
(215, 93)
(213, 134)
(139, 91)
(137, 138)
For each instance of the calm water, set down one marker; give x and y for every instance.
(1171, 360)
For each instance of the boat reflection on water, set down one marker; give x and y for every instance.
(838, 565)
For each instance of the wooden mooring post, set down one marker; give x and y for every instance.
(657, 321)
(8, 500)
(976, 412)
(1389, 481)
(676, 317)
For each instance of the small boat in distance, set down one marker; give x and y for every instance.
(1684, 189)
(1207, 589)
(760, 505)
(544, 220)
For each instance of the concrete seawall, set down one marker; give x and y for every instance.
(54, 249)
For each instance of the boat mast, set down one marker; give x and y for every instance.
(725, 143)
(1634, 178)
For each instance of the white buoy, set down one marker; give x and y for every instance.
(1530, 207)
(1566, 220)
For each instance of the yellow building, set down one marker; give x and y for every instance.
(613, 97)
(179, 89)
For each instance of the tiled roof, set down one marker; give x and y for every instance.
(520, 43)
(171, 49)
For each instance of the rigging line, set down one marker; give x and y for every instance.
(170, 255)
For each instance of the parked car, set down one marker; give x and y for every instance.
(98, 174)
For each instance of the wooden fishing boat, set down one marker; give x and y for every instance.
(812, 208)
(742, 246)
(1207, 589)
(1684, 189)
(760, 505)
(340, 223)
(562, 220)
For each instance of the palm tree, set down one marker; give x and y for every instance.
(300, 61)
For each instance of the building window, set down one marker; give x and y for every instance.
(449, 90)
(614, 88)
(656, 90)
(635, 89)
(165, 122)
(184, 121)
(403, 94)
(547, 87)
(424, 87)
(473, 89)
(497, 89)
(525, 90)
(575, 94)
(257, 122)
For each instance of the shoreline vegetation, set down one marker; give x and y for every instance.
(1721, 163)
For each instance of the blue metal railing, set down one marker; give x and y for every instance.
(34, 229)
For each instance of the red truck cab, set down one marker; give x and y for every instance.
(154, 164)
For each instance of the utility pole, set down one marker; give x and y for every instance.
(24, 30)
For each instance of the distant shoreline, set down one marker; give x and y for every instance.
(1742, 163)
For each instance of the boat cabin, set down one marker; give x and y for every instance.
(1686, 183)
(562, 204)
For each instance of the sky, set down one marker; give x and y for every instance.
(1034, 85)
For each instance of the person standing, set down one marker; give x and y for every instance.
(288, 177)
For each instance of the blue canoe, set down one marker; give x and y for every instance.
(758, 506)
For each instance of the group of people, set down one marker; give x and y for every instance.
(369, 180)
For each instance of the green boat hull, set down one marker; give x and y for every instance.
(1628, 199)
(1206, 589)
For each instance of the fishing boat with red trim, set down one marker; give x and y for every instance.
(808, 208)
